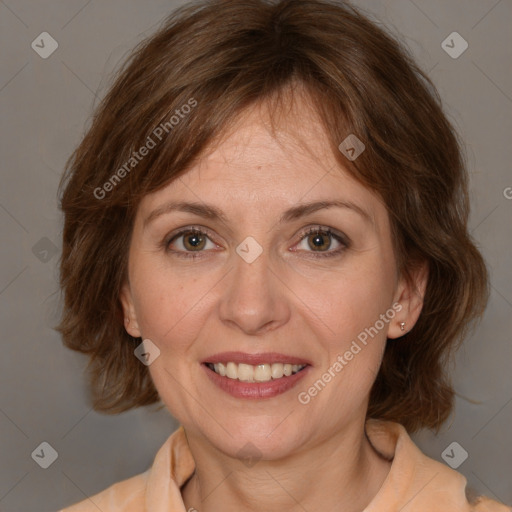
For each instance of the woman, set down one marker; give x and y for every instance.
(266, 229)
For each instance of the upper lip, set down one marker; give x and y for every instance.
(254, 359)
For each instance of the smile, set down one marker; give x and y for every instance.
(265, 372)
(255, 376)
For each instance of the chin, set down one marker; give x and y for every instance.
(257, 437)
(251, 446)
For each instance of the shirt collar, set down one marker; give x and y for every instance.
(172, 467)
(414, 482)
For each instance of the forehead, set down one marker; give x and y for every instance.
(269, 162)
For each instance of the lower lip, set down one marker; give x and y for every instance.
(255, 390)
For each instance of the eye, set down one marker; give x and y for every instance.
(319, 240)
(189, 240)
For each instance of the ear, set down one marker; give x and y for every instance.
(409, 294)
(130, 318)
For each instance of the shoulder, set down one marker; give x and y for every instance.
(418, 483)
(125, 496)
(156, 488)
(484, 504)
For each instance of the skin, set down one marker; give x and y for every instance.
(311, 457)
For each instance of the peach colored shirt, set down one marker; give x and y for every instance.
(415, 483)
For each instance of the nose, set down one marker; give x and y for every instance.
(254, 300)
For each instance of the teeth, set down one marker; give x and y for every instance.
(259, 373)
(262, 373)
(220, 369)
(276, 370)
(232, 371)
(246, 373)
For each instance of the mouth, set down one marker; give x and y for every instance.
(255, 375)
(265, 372)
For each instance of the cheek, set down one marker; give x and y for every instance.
(350, 347)
(170, 305)
(172, 309)
(344, 303)
(351, 334)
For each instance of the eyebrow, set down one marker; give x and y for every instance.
(213, 213)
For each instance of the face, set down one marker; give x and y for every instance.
(251, 279)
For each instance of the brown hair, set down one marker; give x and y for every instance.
(219, 57)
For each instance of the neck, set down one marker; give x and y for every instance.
(343, 472)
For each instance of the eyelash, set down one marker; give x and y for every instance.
(192, 255)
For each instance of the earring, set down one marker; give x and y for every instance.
(402, 326)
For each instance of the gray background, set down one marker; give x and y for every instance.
(45, 106)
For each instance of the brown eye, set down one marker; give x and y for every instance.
(319, 241)
(189, 241)
(193, 240)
